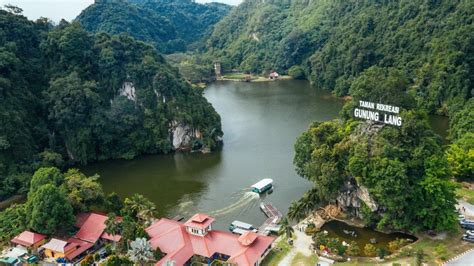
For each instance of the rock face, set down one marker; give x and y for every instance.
(128, 90)
(182, 135)
(351, 197)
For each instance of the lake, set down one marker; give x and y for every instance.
(261, 121)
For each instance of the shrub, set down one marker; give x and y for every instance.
(370, 250)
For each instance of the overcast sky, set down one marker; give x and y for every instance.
(67, 9)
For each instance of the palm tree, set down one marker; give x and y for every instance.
(140, 207)
(296, 212)
(286, 228)
(140, 251)
(112, 226)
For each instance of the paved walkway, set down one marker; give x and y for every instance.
(464, 260)
(469, 207)
(301, 244)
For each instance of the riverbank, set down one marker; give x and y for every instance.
(11, 200)
(251, 78)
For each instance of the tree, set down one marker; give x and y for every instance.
(296, 72)
(140, 251)
(296, 212)
(82, 191)
(139, 207)
(113, 226)
(286, 228)
(48, 210)
(460, 155)
(44, 176)
(113, 203)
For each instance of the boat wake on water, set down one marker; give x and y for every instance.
(243, 203)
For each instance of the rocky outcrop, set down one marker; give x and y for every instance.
(351, 198)
(183, 135)
(128, 90)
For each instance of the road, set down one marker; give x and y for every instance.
(464, 260)
(469, 208)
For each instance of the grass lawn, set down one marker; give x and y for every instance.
(466, 194)
(302, 260)
(277, 253)
(235, 76)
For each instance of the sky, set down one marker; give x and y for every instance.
(67, 9)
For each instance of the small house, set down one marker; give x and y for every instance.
(273, 75)
(29, 239)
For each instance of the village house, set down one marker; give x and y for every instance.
(91, 234)
(196, 240)
(273, 75)
(29, 239)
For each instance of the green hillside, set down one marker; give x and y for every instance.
(70, 97)
(171, 26)
(335, 41)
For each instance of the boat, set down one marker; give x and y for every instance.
(239, 227)
(262, 185)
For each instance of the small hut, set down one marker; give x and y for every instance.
(273, 75)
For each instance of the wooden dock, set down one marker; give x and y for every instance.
(274, 217)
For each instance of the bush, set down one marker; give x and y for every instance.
(353, 249)
(370, 250)
(296, 72)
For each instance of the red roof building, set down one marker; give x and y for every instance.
(92, 227)
(180, 242)
(29, 239)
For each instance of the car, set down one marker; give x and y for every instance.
(470, 233)
(467, 224)
(468, 239)
(103, 254)
(461, 217)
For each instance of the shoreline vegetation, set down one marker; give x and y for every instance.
(253, 77)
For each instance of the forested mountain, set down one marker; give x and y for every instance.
(170, 25)
(335, 41)
(67, 96)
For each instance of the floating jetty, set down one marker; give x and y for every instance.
(274, 217)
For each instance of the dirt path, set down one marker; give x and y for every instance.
(301, 244)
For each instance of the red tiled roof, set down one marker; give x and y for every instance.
(27, 238)
(92, 227)
(173, 239)
(79, 245)
(247, 238)
(199, 220)
(115, 238)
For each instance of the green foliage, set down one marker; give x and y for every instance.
(69, 97)
(296, 72)
(49, 210)
(13, 221)
(171, 26)
(370, 250)
(117, 260)
(285, 228)
(82, 191)
(460, 155)
(44, 176)
(430, 42)
(353, 249)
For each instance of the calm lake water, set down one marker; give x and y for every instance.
(261, 122)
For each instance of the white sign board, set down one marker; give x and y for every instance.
(378, 112)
